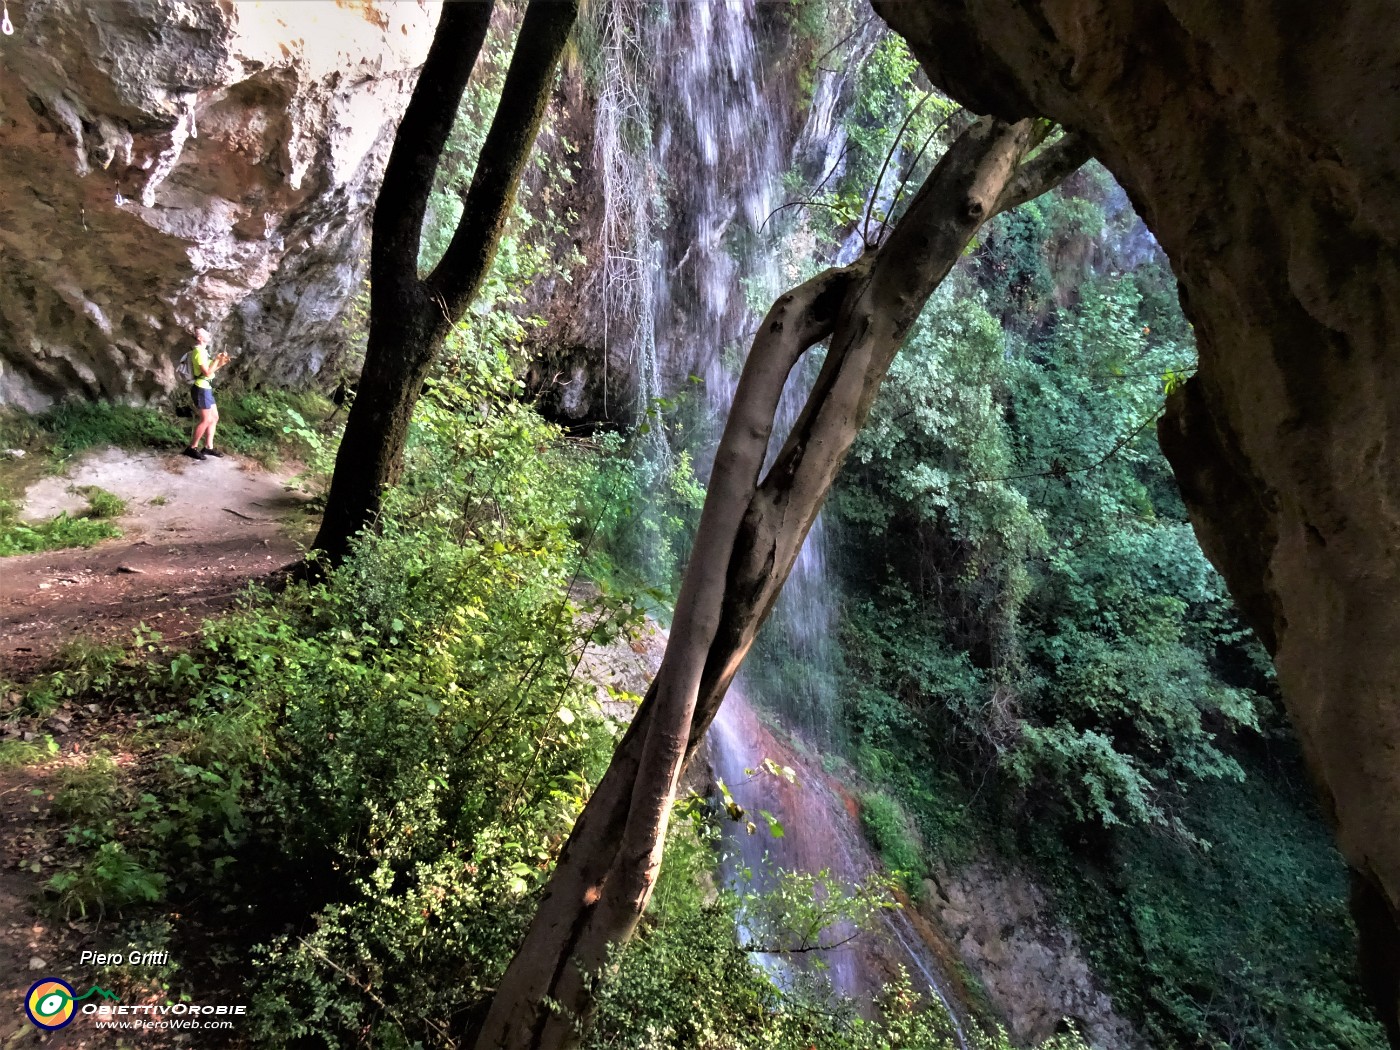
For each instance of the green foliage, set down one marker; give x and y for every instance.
(249, 422)
(1037, 657)
(893, 129)
(889, 832)
(76, 426)
(1046, 537)
(103, 504)
(394, 755)
(1259, 920)
(687, 981)
(110, 880)
(62, 531)
(87, 792)
(644, 506)
(86, 669)
(16, 754)
(256, 423)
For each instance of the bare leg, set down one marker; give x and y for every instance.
(213, 421)
(204, 428)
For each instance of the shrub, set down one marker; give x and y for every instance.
(110, 880)
(889, 831)
(103, 504)
(61, 532)
(76, 426)
(15, 754)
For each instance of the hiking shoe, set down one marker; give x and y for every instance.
(214, 452)
(191, 452)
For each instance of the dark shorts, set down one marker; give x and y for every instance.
(203, 396)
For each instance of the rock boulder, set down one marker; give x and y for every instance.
(166, 164)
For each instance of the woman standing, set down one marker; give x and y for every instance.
(202, 392)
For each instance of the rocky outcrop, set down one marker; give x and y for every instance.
(174, 163)
(1030, 966)
(1258, 141)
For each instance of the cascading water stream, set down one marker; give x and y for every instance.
(681, 239)
(820, 833)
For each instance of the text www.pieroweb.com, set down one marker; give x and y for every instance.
(186, 1017)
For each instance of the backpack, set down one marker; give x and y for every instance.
(185, 369)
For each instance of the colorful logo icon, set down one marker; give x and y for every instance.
(50, 1003)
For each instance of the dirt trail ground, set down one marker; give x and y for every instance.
(195, 533)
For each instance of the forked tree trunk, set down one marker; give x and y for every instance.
(410, 316)
(749, 535)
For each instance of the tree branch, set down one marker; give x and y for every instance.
(524, 97)
(1045, 170)
(422, 135)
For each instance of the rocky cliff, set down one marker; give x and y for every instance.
(1258, 141)
(166, 164)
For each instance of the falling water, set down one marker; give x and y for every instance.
(682, 247)
(820, 832)
(685, 270)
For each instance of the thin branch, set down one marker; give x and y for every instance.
(1182, 371)
(815, 190)
(899, 190)
(884, 165)
(524, 96)
(859, 27)
(795, 204)
(800, 949)
(1059, 470)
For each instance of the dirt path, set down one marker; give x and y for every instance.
(195, 534)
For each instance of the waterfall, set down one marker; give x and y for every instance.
(693, 145)
(820, 832)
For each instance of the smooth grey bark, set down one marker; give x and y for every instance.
(750, 531)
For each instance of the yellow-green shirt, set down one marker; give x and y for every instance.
(199, 361)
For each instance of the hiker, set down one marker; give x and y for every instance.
(202, 391)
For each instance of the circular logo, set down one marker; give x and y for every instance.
(49, 1003)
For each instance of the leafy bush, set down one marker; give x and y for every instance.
(393, 755)
(62, 531)
(1259, 920)
(888, 829)
(1037, 658)
(103, 504)
(87, 792)
(86, 669)
(687, 982)
(256, 423)
(15, 754)
(76, 426)
(643, 505)
(110, 880)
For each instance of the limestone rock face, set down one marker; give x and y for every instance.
(1030, 966)
(166, 164)
(1259, 142)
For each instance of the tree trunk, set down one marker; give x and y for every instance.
(749, 535)
(410, 316)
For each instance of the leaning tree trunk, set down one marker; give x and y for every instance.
(410, 316)
(751, 529)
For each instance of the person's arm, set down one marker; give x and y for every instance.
(209, 365)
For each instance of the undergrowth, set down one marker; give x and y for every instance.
(260, 424)
(63, 530)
